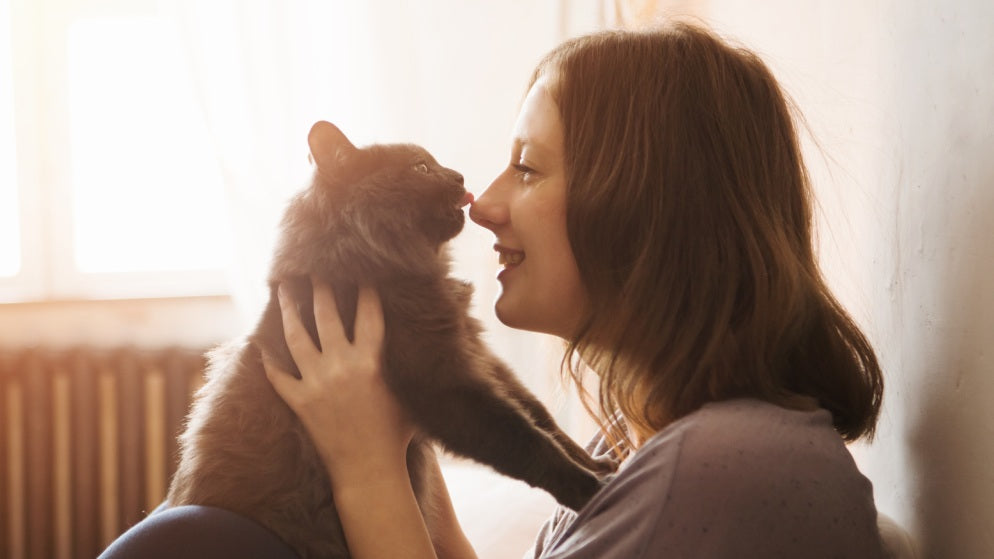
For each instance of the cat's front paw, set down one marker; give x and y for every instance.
(604, 466)
(575, 495)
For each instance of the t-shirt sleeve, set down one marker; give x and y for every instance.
(548, 532)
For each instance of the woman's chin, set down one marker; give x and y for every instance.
(532, 315)
(513, 317)
(503, 313)
(512, 314)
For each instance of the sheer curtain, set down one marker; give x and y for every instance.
(263, 72)
(445, 74)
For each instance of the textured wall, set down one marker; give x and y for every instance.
(900, 98)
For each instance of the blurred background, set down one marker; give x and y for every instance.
(147, 148)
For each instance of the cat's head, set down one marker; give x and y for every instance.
(386, 189)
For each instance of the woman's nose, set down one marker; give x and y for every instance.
(489, 209)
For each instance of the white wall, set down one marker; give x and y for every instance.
(900, 96)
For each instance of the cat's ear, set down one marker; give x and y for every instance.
(328, 145)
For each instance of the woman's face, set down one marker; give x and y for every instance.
(525, 207)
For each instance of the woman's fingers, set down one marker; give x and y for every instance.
(369, 320)
(331, 332)
(342, 400)
(298, 341)
(369, 328)
(284, 383)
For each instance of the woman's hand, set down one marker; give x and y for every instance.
(356, 424)
(360, 432)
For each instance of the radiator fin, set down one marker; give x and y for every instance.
(87, 443)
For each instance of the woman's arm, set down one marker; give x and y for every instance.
(397, 509)
(449, 540)
(382, 519)
(359, 430)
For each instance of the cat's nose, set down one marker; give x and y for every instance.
(466, 199)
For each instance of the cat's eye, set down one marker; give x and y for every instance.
(421, 168)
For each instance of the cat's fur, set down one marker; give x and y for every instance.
(377, 216)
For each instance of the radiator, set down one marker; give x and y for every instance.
(87, 443)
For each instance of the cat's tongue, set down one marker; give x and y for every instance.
(466, 200)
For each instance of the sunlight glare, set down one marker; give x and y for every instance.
(10, 225)
(147, 189)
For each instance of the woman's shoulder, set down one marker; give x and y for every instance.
(736, 439)
(747, 467)
(739, 441)
(750, 451)
(723, 475)
(744, 429)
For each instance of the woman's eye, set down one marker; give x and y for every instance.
(421, 168)
(523, 172)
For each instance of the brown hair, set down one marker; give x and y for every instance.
(689, 213)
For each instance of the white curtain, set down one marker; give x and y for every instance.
(445, 74)
(264, 71)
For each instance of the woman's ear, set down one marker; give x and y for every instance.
(328, 145)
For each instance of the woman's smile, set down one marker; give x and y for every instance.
(508, 257)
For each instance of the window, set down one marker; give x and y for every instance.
(10, 238)
(111, 187)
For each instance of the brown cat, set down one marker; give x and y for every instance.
(378, 216)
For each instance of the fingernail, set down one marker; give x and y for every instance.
(281, 292)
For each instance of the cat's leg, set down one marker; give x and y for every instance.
(540, 415)
(461, 406)
(503, 375)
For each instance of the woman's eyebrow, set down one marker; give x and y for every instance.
(536, 148)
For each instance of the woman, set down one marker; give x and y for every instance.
(656, 215)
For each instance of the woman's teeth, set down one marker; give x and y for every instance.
(513, 258)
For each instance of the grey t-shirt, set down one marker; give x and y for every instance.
(739, 478)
